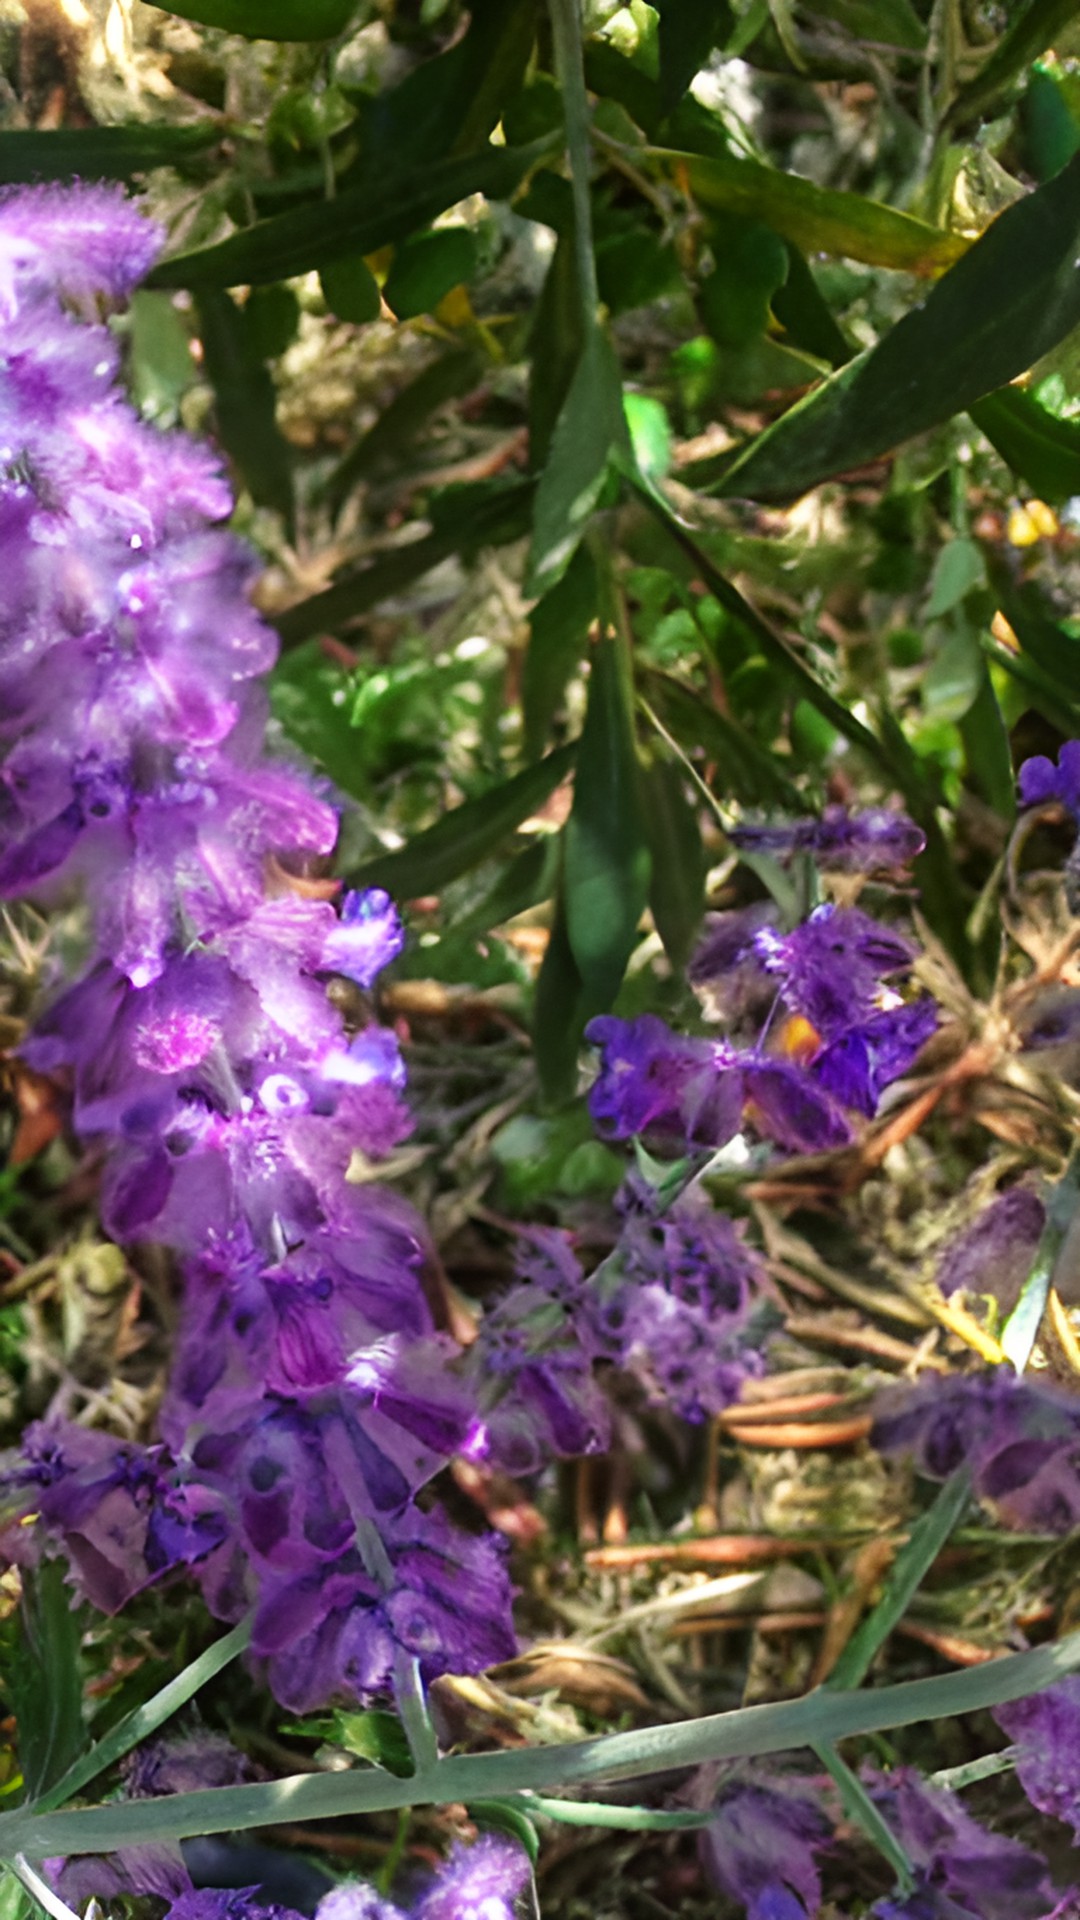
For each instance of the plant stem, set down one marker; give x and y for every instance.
(570, 72)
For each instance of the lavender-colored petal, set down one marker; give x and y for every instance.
(995, 1253)
(481, 1882)
(368, 936)
(787, 1106)
(761, 1845)
(1046, 1729)
(857, 1067)
(652, 1078)
(1040, 781)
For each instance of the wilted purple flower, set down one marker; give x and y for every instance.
(761, 1846)
(185, 1765)
(1046, 1731)
(995, 1253)
(1021, 1440)
(830, 967)
(997, 1878)
(840, 840)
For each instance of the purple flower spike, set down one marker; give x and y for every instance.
(80, 241)
(1046, 1729)
(989, 1875)
(857, 1067)
(356, 1900)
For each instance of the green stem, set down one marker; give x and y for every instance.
(820, 1718)
(859, 1808)
(570, 72)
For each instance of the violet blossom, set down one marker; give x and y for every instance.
(827, 1037)
(761, 1846)
(1046, 1731)
(312, 1399)
(1021, 1440)
(986, 1873)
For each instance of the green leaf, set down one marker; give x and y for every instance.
(508, 1816)
(376, 1736)
(862, 1812)
(1048, 117)
(351, 290)
(558, 633)
(804, 314)
(1043, 449)
(817, 219)
(589, 430)
(747, 771)
(986, 747)
(561, 1007)
(268, 19)
(607, 859)
(245, 402)
(908, 1571)
(677, 881)
(98, 153)
(1029, 33)
(161, 365)
(357, 221)
(1010, 299)
(958, 567)
(689, 30)
(555, 346)
(44, 1678)
(524, 881)
(466, 835)
(751, 265)
(426, 267)
(498, 517)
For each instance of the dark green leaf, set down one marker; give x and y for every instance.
(1029, 33)
(986, 747)
(529, 877)
(607, 855)
(358, 221)
(425, 268)
(375, 1736)
(98, 153)
(307, 695)
(466, 835)
(244, 402)
(273, 318)
(350, 289)
(689, 30)
(804, 313)
(1051, 129)
(751, 264)
(268, 19)
(161, 365)
(745, 771)
(818, 219)
(677, 883)
(44, 1678)
(1042, 449)
(554, 348)
(498, 517)
(1010, 299)
(558, 632)
(560, 1010)
(444, 378)
(589, 430)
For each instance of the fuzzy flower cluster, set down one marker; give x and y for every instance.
(311, 1400)
(815, 1033)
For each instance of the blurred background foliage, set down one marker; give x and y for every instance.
(645, 428)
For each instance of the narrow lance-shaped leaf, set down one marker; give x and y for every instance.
(357, 221)
(268, 19)
(97, 153)
(589, 430)
(1042, 449)
(816, 219)
(677, 882)
(465, 836)
(607, 854)
(558, 632)
(245, 403)
(1049, 645)
(560, 1009)
(1010, 299)
(1031, 29)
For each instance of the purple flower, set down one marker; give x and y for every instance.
(185, 1765)
(857, 1067)
(761, 1845)
(995, 1253)
(239, 1903)
(997, 1878)
(830, 968)
(1041, 782)
(1046, 1729)
(652, 1078)
(368, 936)
(842, 841)
(1021, 1439)
(481, 1882)
(76, 241)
